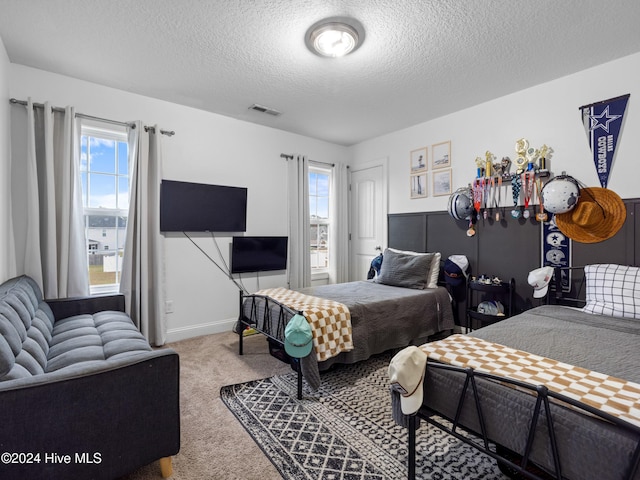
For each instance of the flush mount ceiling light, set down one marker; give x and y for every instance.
(334, 37)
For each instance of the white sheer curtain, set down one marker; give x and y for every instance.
(339, 228)
(143, 271)
(55, 244)
(298, 206)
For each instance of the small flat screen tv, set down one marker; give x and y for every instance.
(199, 207)
(258, 254)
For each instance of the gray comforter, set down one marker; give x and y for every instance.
(382, 318)
(589, 448)
(600, 343)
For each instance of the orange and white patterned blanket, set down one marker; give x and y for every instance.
(330, 320)
(615, 396)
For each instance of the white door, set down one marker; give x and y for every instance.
(368, 219)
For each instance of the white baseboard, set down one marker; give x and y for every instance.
(183, 333)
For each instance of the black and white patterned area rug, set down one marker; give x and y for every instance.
(345, 430)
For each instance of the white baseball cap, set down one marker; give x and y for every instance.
(406, 372)
(539, 279)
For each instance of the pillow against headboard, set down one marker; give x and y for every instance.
(401, 269)
(434, 269)
(613, 290)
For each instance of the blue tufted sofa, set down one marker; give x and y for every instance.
(82, 394)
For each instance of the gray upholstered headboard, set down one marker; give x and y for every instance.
(508, 248)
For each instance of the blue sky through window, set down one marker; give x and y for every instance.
(104, 167)
(319, 194)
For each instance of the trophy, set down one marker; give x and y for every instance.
(544, 153)
(505, 163)
(522, 145)
(480, 164)
(488, 163)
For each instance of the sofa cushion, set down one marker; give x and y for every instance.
(31, 343)
(101, 336)
(28, 346)
(7, 357)
(26, 322)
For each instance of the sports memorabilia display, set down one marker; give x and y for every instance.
(566, 208)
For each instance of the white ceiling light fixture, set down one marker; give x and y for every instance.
(335, 37)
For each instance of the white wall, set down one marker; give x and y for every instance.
(207, 148)
(545, 114)
(7, 268)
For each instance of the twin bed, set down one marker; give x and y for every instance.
(578, 418)
(403, 305)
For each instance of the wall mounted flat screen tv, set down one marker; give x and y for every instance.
(199, 207)
(258, 254)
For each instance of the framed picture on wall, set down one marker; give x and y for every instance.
(441, 155)
(418, 160)
(441, 182)
(419, 185)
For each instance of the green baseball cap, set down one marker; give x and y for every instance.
(298, 337)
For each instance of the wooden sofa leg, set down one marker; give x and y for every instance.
(166, 467)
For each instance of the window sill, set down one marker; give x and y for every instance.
(104, 289)
(323, 275)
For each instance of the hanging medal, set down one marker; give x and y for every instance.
(477, 195)
(528, 181)
(515, 187)
(541, 216)
(485, 196)
(493, 193)
(499, 197)
(471, 231)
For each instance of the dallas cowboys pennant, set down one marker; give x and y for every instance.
(602, 122)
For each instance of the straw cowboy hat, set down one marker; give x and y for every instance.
(598, 215)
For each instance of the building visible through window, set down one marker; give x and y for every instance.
(319, 195)
(104, 170)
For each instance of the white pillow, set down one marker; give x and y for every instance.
(434, 270)
(613, 290)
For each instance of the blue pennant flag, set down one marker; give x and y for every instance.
(603, 123)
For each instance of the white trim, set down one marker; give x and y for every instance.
(320, 274)
(192, 331)
(96, 128)
(106, 212)
(104, 289)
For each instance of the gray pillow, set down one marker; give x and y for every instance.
(404, 270)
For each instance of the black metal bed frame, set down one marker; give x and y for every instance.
(265, 325)
(557, 296)
(481, 441)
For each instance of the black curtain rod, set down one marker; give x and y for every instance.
(169, 133)
(290, 157)
(90, 117)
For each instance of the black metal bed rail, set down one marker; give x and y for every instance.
(267, 326)
(556, 294)
(542, 408)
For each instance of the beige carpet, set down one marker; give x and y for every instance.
(213, 443)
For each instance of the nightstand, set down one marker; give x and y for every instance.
(478, 292)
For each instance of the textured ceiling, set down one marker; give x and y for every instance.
(421, 59)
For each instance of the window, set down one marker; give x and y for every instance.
(319, 195)
(104, 170)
